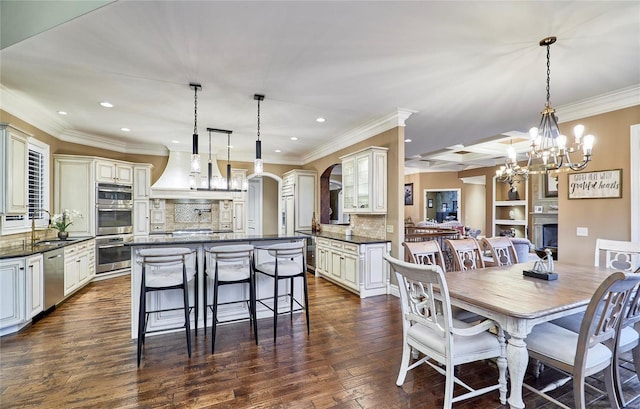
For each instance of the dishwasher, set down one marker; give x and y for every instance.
(53, 277)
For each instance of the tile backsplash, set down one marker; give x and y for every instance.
(373, 226)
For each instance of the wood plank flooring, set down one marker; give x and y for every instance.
(81, 356)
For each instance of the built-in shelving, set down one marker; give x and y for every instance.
(510, 217)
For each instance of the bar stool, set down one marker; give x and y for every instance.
(289, 262)
(165, 269)
(231, 264)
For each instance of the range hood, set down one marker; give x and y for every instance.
(174, 181)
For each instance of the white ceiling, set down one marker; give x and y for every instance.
(468, 71)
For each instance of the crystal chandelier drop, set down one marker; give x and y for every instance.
(511, 172)
(258, 165)
(550, 150)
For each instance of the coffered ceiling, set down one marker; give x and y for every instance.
(468, 76)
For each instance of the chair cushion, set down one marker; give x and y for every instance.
(627, 340)
(232, 272)
(559, 343)
(167, 277)
(483, 343)
(286, 268)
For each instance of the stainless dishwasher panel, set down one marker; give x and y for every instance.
(53, 277)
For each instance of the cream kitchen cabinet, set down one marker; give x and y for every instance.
(12, 292)
(74, 188)
(238, 181)
(239, 225)
(34, 285)
(141, 207)
(14, 153)
(299, 189)
(79, 265)
(226, 215)
(364, 181)
(357, 267)
(114, 172)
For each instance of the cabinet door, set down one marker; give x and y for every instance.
(35, 288)
(12, 290)
(363, 193)
(238, 217)
(141, 217)
(321, 260)
(71, 275)
(105, 172)
(336, 260)
(141, 182)
(84, 274)
(74, 189)
(238, 180)
(348, 185)
(16, 200)
(124, 174)
(350, 264)
(305, 201)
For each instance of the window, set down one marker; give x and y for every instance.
(38, 191)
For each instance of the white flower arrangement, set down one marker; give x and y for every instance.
(65, 219)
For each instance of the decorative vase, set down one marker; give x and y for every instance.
(513, 194)
(63, 235)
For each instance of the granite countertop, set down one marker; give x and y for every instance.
(342, 237)
(39, 247)
(208, 238)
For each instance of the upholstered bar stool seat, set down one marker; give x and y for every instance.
(288, 263)
(166, 269)
(227, 265)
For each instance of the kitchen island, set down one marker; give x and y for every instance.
(173, 298)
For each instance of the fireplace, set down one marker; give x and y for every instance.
(550, 238)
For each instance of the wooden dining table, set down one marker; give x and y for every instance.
(518, 303)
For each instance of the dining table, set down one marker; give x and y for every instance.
(518, 303)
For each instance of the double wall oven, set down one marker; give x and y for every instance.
(114, 226)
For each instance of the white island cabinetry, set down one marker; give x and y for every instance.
(358, 267)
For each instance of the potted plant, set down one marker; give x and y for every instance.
(63, 220)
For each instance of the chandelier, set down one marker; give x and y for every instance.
(550, 150)
(258, 165)
(215, 183)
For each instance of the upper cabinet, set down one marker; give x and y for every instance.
(364, 181)
(112, 172)
(14, 152)
(299, 189)
(141, 181)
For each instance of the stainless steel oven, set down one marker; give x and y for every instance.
(114, 209)
(112, 254)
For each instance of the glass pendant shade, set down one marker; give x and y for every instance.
(258, 167)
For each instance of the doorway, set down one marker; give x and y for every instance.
(442, 205)
(264, 204)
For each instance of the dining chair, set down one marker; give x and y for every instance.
(224, 266)
(592, 349)
(425, 252)
(502, 250)
(617, 256)
(628, 340)
(429, 328)
(467, 254)
(166, 269)
(288, 262)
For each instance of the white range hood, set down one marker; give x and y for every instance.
(174, 181)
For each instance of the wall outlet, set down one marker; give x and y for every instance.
(389, 228)
(582, 231)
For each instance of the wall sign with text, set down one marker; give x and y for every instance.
(596, 185)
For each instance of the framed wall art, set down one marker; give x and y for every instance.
(602, 184)
(408, 194)
(550, 185)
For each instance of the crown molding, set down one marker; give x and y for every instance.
(22, 106)
(361, 133)
(113, 145)
(611, 101)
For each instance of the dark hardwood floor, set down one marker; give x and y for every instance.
(81, 356)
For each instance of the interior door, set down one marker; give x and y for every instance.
(254, 208)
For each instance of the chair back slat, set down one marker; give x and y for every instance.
(232, 253)
(618, 255)
(502, 250)
(467, 254)
(425, 252)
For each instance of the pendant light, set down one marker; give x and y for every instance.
(258, 167)
(195, 157)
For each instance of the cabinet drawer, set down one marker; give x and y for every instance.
(70, 251)
(352, 248)
(336, 244)
(323, 242)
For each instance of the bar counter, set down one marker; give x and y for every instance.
(173, 298)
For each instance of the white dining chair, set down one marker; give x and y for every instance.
(467, 254)
(502, 250)
(618, 255)
(430, 329)
(592, 349)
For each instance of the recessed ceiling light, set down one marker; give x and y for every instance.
(125, 129)
(106, 104)
(278, 151)
(320, 119)
(407, 140)
(62, 112)
(175, 141)
(293, 138)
